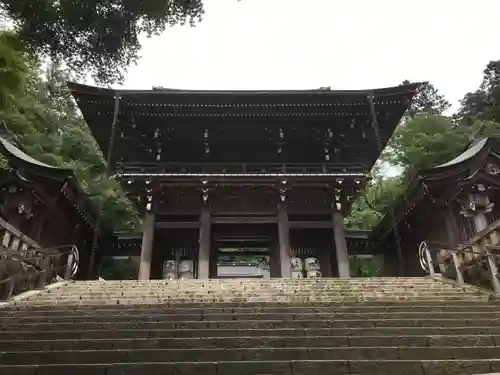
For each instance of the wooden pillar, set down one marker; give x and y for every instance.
(148, 230)
(204, 245)
(274, 255)
(340, 244)
(284, 242)
(325, 262)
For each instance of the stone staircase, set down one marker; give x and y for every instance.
(403, 326)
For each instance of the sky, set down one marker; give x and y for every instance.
(306, 44)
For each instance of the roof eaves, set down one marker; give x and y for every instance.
(93, 90)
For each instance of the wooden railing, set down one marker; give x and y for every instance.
(12, 238)
(25, 265)
(475, 262)
(34, 269)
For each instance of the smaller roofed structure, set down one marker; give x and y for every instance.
(47, 204)
(449, 194)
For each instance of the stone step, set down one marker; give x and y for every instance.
(270, 292)
(305, 291)
(63, 292)
(266, 288)
(398, 304)
(260, 292)
(162, 309)
(245, 354)
(150, 301)
(272, 281)
(249, 324)
(44, 332)
(430, 341)
(294, 367)
(171, 317)
(265, 294)
(299, 297)
(334, 280)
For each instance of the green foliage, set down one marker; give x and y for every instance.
(428, 101)
(47, 123)
(364, 267)
(425, 139)
(484, 103)
(372, 205)
(100, 37)
(119, 269)
(13, 69)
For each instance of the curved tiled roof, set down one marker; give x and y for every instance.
(17, 153)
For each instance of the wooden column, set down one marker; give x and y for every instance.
(325, 262)
(204, 245)
(274, 255)
(340, 244)
(148, 230)
(284, 242)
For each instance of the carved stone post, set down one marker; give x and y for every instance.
(148, 228)
(340, 244)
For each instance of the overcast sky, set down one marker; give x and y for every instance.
(302, 44)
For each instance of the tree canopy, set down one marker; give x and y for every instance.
(95, 36)
(428, 101)
(427, 138)
(47, 123)
(484, 103)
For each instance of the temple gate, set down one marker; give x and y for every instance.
(270, 170)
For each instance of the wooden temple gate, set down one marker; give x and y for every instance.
(291, 161)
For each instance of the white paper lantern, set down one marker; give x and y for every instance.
(296, 264)
(170, 270)
(312, 264)
(186, 266)
(297, 275)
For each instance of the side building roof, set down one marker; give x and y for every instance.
(53, 180)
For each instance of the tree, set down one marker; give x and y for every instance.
(372, 205)
(420, 143)
(100, 37)
(48, 125)
(484, 103)
(426, 141)
(13, 69)
(428, 101)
